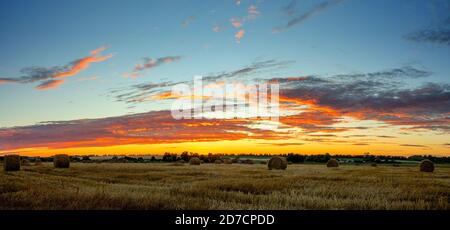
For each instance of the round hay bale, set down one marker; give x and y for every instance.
(25, 162)
(11, 163)
(248, 161)
(332, 163)
(426, 166)
(374, 165)
(277, 163)
(227, 161)
(61, 161)
(218, 162)
(195, 161)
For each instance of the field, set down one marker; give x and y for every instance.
(210, 186)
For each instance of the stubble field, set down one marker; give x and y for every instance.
(237, 186)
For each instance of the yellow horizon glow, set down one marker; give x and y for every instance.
(236, 147)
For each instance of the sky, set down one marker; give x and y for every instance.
(95, 77)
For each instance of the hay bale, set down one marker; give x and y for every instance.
(374, 165)
(11, 163)
(218, 162)
(332, 163)
(248, 161)
(227, 161)
(195, 161)
(25, 162)
(61, 161)
(426, 166)
(277, 163)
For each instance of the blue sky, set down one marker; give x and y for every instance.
(354, 36)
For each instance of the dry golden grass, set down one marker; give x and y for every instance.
(210, 186)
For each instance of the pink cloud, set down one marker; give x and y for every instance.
(51, 84)
(253, 12)
(239, 35)
(236, 22)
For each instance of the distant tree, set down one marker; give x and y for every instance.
(184, 156)
(295, 158)
(86, 158)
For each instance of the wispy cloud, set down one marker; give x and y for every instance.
(141, 92)
(50, 84)
(413, 145)
(285, 144)
(290, 9)
(217, 28)
(253, 12)
(239, 35)
(438, 33)
(307, 15)
(236, 22)
(189, 20)
(439, 36)
(34, 74)
(150, 63)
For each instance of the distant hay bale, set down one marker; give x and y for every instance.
(61, 161)
(248, 161)
(332, 163)
(11, 163)
(235, 160)
(195, 161)
(227, 161)
(396, 165)
(426, 166)
(277, 163)
(218, 161)
(374, 165)
(25, 162)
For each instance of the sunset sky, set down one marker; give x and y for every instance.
(95, 77)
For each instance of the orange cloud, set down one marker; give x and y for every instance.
(51, 84)
(84, 63)
(239, 35)
(147, 128)
(45, 75)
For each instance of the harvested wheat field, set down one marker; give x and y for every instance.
(225, 186)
